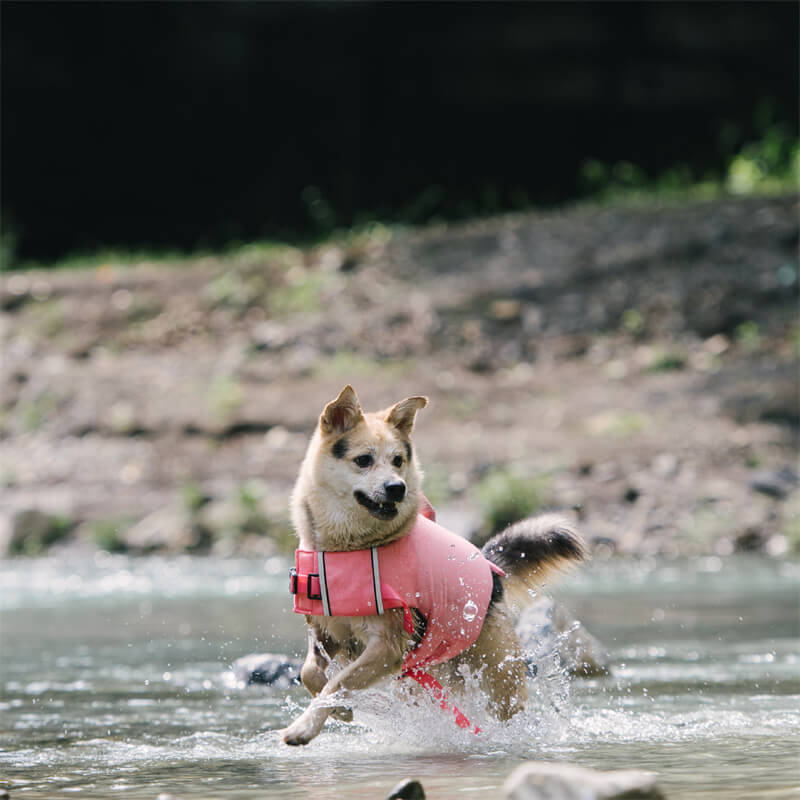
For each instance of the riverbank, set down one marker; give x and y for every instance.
(637, 365)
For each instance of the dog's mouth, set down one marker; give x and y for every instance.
(385, 510)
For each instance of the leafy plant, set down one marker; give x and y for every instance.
(36, 531)
(506, 496)
(106, 534)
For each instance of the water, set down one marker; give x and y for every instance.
(114, 684)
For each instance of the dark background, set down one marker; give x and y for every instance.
(195, 124)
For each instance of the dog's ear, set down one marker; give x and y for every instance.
(341, 414)
(403, 413)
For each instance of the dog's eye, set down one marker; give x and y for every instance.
(397, 461)
(363, 461)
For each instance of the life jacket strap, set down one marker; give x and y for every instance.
(428, 682)
(314, 585)
(310, 584)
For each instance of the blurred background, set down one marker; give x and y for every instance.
(573, 225)
(182, 126)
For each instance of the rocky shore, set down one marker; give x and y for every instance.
(637, 365)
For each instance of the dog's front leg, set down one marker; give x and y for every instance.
(377, 661)
(321, 649)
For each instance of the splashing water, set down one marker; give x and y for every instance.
(113, 684)
(470, 611)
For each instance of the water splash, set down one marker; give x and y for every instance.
(470, 611)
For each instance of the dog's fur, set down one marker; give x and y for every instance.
(359, 487)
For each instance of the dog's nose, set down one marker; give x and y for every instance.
(395, 491)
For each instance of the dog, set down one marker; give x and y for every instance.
(357, 501)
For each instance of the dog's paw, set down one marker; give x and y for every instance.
(304, 728)
(292, 737)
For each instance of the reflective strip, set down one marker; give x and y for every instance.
(376, 580)
(323, 584)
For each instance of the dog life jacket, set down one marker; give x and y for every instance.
(431, 569)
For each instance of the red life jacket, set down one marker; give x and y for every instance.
(431, 569)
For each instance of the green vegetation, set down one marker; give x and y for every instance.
(506, 496)
(617, 423)
(37, 411)
(193, 497)
(303, 293)
(107, 535)
(225, 397)
(768, 165)
(748, 335)
(36, 531)
(668, 361)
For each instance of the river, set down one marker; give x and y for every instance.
(115, 684)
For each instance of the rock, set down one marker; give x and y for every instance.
(408, 789)
(751, 540)
(775, 483)
(546, 628)
(31, 532)
(543, 780)
(267, 668)
(165, 530)
(581, 653)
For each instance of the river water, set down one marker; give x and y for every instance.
(115, 684)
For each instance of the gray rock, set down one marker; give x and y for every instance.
(409, 789)
(31, 532)
(543, 780)
(168, 529)
(775, 483)
(271, 669)
(547, 629)
(581, 653)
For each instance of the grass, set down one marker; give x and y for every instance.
(617, 423)
(348, 364)
(35, 413)
(506, 496)
(107, 535)
(768, 165)
(36, 532)
(225, 398)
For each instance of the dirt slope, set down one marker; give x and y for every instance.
(638, 365)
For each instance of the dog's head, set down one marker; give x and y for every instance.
(366, 462)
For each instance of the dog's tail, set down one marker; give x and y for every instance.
(532, 551)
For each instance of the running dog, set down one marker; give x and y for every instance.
(388, 592)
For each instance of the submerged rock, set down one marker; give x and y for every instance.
(409, 789)
(543, 780)
(547, 629)
(271, 669)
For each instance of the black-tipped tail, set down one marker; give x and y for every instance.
(532, 550)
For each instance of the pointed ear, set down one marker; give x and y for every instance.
(341, 414)
(402, 415)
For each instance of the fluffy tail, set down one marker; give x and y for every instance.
(532, 550)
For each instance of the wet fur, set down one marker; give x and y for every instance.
(327, 516)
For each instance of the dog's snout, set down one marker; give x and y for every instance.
(395, 491)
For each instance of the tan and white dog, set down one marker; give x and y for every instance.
(359, 488)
